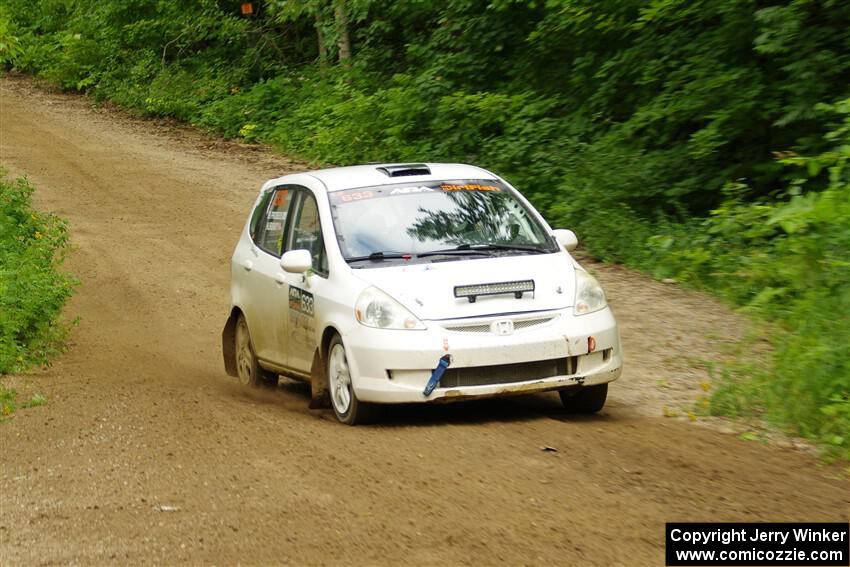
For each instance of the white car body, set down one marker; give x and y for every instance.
(498, 344)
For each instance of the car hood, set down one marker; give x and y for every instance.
(427, 290)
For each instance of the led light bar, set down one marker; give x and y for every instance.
(472, 292)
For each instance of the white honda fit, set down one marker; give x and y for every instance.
(408, 283)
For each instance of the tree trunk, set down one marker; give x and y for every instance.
(320, 37)
(343, 39)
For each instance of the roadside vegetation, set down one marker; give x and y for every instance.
(32, 288)
(705, 141)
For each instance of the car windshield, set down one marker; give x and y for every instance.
(435, 220)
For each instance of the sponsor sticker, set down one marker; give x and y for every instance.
(280, 198)
(469, 187)
(356, 196)
(352, 195)
(409, 190)
(301, 301)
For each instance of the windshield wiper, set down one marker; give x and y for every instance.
(462, 250)
(484, 248)
(380, 256)
(523, 247)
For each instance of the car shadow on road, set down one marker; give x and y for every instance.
(508, 409)
(503, 410)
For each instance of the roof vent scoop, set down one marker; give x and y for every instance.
(405, 170)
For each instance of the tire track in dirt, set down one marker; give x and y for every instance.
(141, 414)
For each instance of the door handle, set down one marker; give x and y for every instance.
(280, 279)
(248, 265)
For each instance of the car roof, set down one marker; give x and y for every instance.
(339, 178)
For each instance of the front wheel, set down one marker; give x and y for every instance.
(347, 408)
(585, 399)
(248, 369)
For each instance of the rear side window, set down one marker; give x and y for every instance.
(269, 232)
(259, 212)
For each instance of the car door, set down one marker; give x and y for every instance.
(306, 291)
(264, 283)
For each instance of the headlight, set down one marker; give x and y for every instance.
(374, 308)
(589, 294)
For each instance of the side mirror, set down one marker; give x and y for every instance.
(566, 238)
(296, 261)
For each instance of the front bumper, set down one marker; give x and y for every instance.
(393, 366)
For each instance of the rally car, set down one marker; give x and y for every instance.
(413, 283)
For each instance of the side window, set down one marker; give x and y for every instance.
(307, 232)
(259, 213)
(269, 235)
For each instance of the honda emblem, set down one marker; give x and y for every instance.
(503, 327)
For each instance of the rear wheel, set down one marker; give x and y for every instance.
(248, 369)
(347, 408)
(585, 399)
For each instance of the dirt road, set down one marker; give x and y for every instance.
(148, 453)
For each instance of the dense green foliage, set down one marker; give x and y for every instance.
(788, 261)
(32, 290)
(650, 106)
(652, 128)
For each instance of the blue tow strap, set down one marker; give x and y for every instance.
(437, 374)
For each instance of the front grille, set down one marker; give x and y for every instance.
(484, 328)
(470, 328)
(508, 373)
(527, 323)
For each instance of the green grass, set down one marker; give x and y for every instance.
(9, 402)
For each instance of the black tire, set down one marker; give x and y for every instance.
(585, 399)
(248, 369)
(347, 408)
